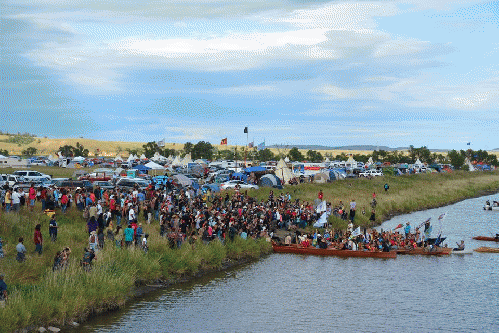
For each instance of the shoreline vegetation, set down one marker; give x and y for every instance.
(38, 296)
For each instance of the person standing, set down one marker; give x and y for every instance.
(386, 187)
(16, 200)
(32, 196)
(353, 208)
(320, 195)
(53, 228)
(64, 201)
(38, 239)
(8, 200)
(3, 291)
(129, 236)
(43, 197)
(21, 250)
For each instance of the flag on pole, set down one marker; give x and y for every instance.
(223, 142)
(398, 227)
(261, 146)
(246, 130)
(356, 232)
(469, 143)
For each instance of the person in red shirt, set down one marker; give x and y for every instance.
(43, 197)
(321, 195)
(64, 202)
(32, 196)
(38, 239)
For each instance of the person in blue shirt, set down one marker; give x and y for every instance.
(3, 291)
(407, 230)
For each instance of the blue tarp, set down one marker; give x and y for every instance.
(141, 167)
(240, 176)
(255, 169)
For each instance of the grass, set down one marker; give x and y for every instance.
(39, 296)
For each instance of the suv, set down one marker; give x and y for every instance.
(371, 173)
(32, 176)
(131, 183)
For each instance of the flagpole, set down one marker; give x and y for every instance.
(246, 149)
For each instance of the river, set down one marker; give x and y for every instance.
(285, 292)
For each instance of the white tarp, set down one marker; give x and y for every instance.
(154, 166)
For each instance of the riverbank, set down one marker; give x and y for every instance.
(39, 296)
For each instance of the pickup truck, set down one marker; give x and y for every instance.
(371, 173)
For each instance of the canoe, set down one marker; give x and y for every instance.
(332, 252)
(463, 252)
(426, 252)
(485, 238)
(488, 249)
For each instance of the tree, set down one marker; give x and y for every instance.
(30, 151)
(295, 155)
(201, 149)
(79, 150)
(456, 158)
(314, 156)
(265, 155)
(188, 148)
(4, 152)
(151, 148)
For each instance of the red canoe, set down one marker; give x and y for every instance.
(425, 252)
(332, 252)
(483, 238)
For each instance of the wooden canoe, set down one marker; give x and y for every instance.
(488, 249)
(485, 238)
(426, 252)
(296, 249)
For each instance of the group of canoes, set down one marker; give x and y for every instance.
(493, 206)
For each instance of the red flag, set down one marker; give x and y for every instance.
(398, 227)
(223, 142)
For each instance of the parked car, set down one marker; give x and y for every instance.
(242, 185)
(73, 184)
(131, 183)
(32, 176)
(371, 173)
(106, 185)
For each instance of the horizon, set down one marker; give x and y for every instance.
(330, 73)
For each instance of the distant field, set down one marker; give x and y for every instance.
(47, 146)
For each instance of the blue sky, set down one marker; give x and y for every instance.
(337, 73)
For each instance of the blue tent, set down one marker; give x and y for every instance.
(240, 176)
(270, 180)
(255, 169)
(141, 167)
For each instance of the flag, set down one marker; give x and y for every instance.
(246, 130)
(356, 232)
(251, 144)
(223, 142)
(321, 221)
(398, 227)
(261, 146)
(321, 207)
(469, 143)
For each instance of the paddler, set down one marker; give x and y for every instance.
(460, 246)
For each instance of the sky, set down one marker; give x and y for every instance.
(295, 72)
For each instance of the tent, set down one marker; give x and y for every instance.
(240, 176)
(283, 172)
(79, 159)
(184, 181)
(270, 180)
(159, 158)
(154, 166)
(176, 162)
(255, 169)
(142, 168)
(143, 157)
(321, 177)
(118, 158)
(351, 163)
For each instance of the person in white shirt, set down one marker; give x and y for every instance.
(16, 199)
(131, 214)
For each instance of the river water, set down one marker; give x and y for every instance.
(286, 292)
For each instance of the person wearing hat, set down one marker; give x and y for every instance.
(3, 291)
(93, 241)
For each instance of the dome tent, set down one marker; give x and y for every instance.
(270, 180)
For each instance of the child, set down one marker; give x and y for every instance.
(53, 229)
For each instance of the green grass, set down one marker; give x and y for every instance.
(39, 296)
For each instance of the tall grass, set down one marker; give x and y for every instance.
(39, 296)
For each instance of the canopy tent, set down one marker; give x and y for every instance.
(184, 181)
(270, 180)
(283, 172)
(321, 177)
(79, 159)
(239, 175)
(255, 169)
(141, 167)
(154, 166)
